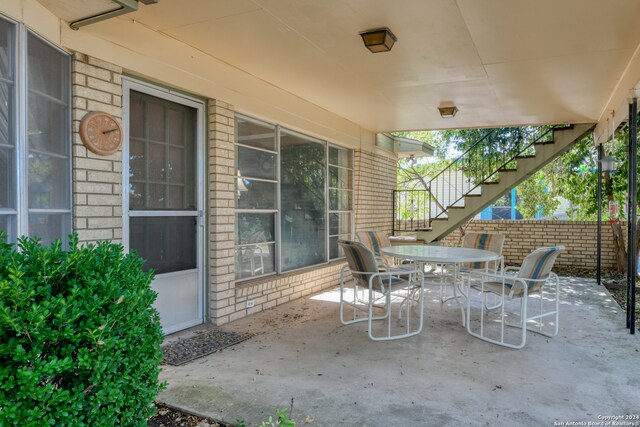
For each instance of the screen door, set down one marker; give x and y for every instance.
(164, 198)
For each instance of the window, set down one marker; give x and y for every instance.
(35, 144)
(293, 199)
(8, 152)
(303, 194)
(256, 198)
(340, 198)
(162, 177)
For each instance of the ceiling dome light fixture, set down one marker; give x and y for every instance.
(378, 40)
(448, 112)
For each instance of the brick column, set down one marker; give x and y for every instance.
(221, 212)
(374, 182)
(97, 180)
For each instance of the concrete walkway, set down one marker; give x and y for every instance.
(336, 376)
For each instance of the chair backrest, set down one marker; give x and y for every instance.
(485, 241)
(374, 240)
(538, 264)
(360, 260)
(257, 237)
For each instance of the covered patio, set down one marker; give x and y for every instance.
(265, 94)
(337, 376)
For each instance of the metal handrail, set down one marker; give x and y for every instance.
(477, 165)
(475, 144)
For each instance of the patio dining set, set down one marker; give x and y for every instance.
(493, 299)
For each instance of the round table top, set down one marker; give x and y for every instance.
(439, 254)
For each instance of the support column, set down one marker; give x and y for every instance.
(599, 245)
(374, 182)
(221, 274)
(632, 215)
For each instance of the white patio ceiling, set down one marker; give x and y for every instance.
(502, 62)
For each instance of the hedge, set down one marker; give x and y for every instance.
(80, 340)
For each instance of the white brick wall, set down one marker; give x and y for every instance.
(97, 183)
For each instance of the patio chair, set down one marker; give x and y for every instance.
(253, 253)
(518, 283)
(485, 241)
(488, 242)
(375, 241)
(366, 274)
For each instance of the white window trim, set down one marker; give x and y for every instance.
(277, 212)
(21, 149)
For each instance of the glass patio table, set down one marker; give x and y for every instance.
(443, 256)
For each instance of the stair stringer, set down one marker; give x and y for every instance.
(563, 140)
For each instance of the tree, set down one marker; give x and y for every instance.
(480, 163)
(572, 176)
(536, 196)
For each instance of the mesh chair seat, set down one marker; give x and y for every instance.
(529, 279)
(366, 275)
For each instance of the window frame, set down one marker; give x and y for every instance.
(18, 64)
(351, 191)
(14, 213)
(277, 213)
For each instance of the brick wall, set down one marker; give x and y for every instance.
(522, 237)
(97, 204)
(272, 291)
(375, 180)
(221, 163)
(97, 188)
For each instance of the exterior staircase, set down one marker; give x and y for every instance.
(483, 173)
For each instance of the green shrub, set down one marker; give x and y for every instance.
(79, 340)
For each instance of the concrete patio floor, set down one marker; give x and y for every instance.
(337, 376)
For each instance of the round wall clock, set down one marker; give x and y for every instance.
(101, 133)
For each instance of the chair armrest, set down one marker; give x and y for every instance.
(395, 273)
(386, 276)
(487, 275)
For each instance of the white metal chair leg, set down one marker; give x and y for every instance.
(524, 320)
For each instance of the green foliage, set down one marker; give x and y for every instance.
(80, 342)
(282, 421)
(536, 197)
(572, 176)
(415, 174)
(492, 149)
(576, 177)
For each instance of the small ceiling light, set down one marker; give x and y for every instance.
(448, 112)
(378, 40)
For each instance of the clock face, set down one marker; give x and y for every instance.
(101, 133)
